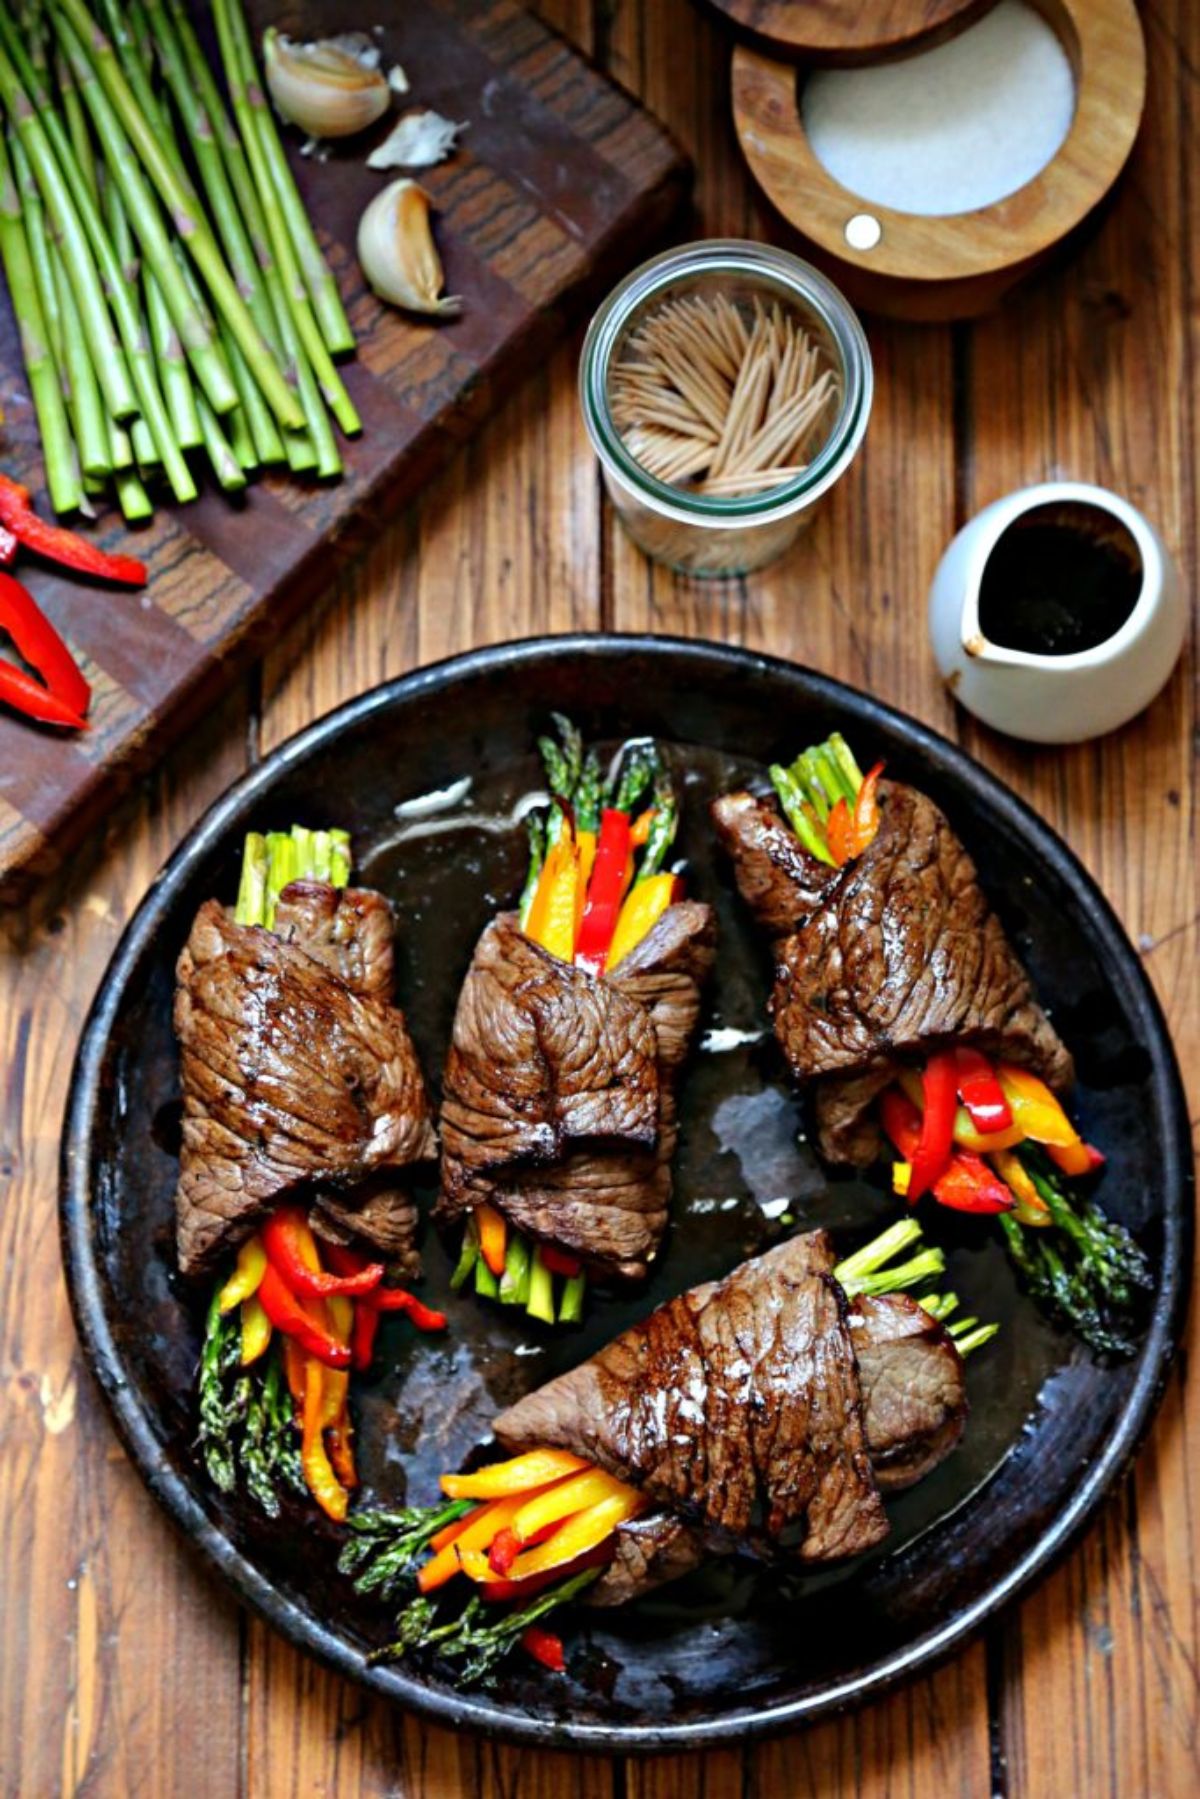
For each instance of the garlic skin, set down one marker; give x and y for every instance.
(397, 254)
(417, 141)
(327, 88)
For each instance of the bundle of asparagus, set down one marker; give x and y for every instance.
(170, 291)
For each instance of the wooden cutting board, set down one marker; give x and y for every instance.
(561, 184)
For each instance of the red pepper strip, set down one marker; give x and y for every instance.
(544, 1647)
(504, 1551)
(599, 1557)
(981, 1093)
(839, 833)
(395, 1299)
(866, 810)
(287, 1314)
(40, 644)
(8, 547)
(558, 1261)
(285, 1235)
(34, 700)
(606, 889)
(60, 545)
(966, 1184)
(362, 1335)
(939, 1085)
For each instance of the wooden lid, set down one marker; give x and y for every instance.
(848, 30)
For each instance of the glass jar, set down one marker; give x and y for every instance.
(697, 533)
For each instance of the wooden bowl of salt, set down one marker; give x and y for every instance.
(927, 185)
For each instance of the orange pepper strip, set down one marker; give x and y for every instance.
(1072, 1158)
(294, 1366)
(537, 1468)
(639, 831)
(555, 904)
(322, 1482)
(839, 833)
(639, 914)
(341, 1451)
(585, 1531)
(1034, 1108)
(572, 1495)
(481, 1527)
(1031, 1207)
(586, 841)
(493, 1236)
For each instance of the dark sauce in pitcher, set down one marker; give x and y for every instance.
(1061, 579)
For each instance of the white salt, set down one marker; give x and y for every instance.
(952, 128)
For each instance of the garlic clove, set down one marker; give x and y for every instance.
(397, 252)
(328, 88)
(417, 141)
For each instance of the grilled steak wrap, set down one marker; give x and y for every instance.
(299, 1075)
(895, 954)
(764, 1412)
(559, 1089)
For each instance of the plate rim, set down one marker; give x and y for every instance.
(435, 1700)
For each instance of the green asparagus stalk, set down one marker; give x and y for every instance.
(570, 1306)
(486, 1284)
(258, 136)
(477, 1638)
(76, 123)
(383, 1546)
(225, 466)
(135, 503)
(515, 1281)
(335, 326)
(189, 221)
(217, 1359)
(58, 447)
(27, 108)
(540, 1304)
(468, 1257)
(173, 374)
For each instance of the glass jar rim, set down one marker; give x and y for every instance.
(735, 256)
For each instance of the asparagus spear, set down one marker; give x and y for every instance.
(217, 1358)
(383, 1546)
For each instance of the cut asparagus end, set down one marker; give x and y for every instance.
(570, 1309)
(540, 1304)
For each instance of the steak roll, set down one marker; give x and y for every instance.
(300, 1079)
(894, 955)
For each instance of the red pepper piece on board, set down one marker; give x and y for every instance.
(606, 890)
(288, 1241)
(558, 1261)
(544, 1647)
(41, 645)
(288, 1314)
(57, 544)
(939, 1085)
(981, 1092)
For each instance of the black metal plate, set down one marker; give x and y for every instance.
(729, 1653)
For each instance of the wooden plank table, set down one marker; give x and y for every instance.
(123, 1668)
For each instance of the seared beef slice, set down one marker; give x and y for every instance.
(290, 1076)
(559, 1103)
(889, 958)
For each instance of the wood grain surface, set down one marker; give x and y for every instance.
(123, 1669)
(558, 182)
(815, 31)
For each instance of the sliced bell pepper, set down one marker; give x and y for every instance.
(586, 1530)
(544, 1647)
(492, 1227)
(559, 1262)
(966, 1184)
(476, 1537)
(553, 913)
(866, 810)
(981, 1092)
(586, 842)
(396, 1299)
(1034, 1108)
(839, 833)
(965, 1134)
(939, 1085)
(606, 889)
(639, 830)
(8, 547)
(291, 1316)
(504, 1549)
(24, 694)
(572, 1495)
(536, 1468)
(1031, 1207)
(641, 912)
(256, 1330)
(341, 1452)
(60, 545)
(500, 1590)
(292, 1251)
(41, 645)
(1075, 1158)
(295, 1368)
(362, 1337)
(319, 1476)
(251, 1263)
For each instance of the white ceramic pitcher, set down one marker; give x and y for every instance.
(1049, 698)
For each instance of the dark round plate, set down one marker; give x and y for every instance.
(731, 1652)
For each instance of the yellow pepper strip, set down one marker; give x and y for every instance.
(586, 841)
(1034, 1107)
(901, 1176)
(586, 1530)
(1031, 1207)
(256, 1330)
(552, 915)
(481, 1529)
(251, 1266)
(322, 1482)
(638, 916)
(965, 1134)
(1072, 1158)
(336, 1381)
(493, 1236)
(534, 1469)
(574, 1494)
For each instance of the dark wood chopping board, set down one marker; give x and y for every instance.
(561, 183)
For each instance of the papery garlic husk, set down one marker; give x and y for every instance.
(327, 88)
(397, 252)
(416, 141)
